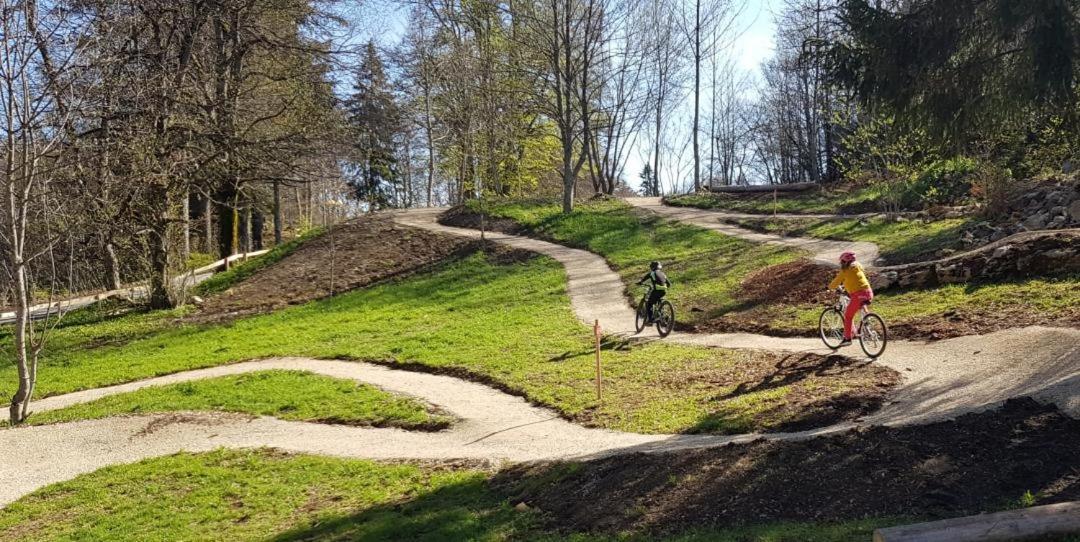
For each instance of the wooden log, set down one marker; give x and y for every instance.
(1025, 523)
(764, 188)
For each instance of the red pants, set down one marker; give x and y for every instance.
(858, 299)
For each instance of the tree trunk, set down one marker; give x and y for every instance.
(112, 265)
(257, 224)
(277, 212)
(208, 225)
(697, 93)
(187, 225)
(21, 400)
(568, 178)
(159, 253)
(226, 221)
(245, 230)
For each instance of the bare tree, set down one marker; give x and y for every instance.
(35, 83)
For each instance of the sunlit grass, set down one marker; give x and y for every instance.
(289, 395)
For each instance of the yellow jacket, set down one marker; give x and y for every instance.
(853, 278)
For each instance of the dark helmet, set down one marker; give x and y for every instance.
(655, 265)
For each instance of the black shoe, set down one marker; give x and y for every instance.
(843, 343)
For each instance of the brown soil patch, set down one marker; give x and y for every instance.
(463, 217)
(976, 463)
(959, 323)
(206, 419)
(800, 281)
(365, 251)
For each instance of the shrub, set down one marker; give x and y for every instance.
(995, 188)
(944, 182)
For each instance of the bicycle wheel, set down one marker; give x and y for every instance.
(831, 327)
(665, 320)
(640, 315)
(873, 335)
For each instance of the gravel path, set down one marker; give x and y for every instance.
(825, 252)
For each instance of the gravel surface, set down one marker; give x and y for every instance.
(825, 252)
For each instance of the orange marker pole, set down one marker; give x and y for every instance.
(599, 377)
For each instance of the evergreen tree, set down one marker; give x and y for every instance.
(649, 186)
(374, 118)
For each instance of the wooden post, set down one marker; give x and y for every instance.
(599, 374)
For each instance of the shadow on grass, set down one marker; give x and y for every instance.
(468, 510)
(482, 509)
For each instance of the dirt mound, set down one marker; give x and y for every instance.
(359, 253)
(976, 463)
(979, 321)
(463, 217)
(800, 281)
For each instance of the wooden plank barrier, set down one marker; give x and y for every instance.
(1023, 524)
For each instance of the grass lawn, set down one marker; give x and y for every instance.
(859, 200)
(508, 324)
(706, 268)
(900, 241)
(266, 495)
(289, 395)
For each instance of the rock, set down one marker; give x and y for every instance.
(1057, 222)
(949, 274)
(1074, 211)
(1058, 210)
(945, 253)
(1036, 222)
(1043, 253)
(197, 300)
(1056, 197)
(521, 507)
(1001, 252)
(998, 235)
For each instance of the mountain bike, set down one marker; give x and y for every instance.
(872, 332)
(663, 315)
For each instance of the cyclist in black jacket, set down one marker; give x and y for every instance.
(659, 282)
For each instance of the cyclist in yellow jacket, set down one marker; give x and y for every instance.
(855, 283)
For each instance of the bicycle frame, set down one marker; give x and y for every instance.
(842, 305)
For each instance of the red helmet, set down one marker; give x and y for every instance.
(847, 257)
